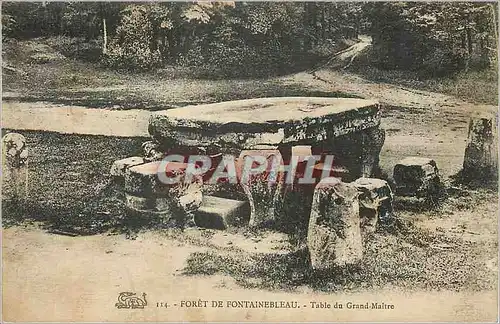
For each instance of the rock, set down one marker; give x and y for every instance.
(375, 202)
(221, 213)
(14, 167)
(183, 198)
(243, 124)
(147, 203)
(152, 151)
(263, 190)
(417, 176)
(357, 152)
(481, 152)
(120, 166)
(334, 235)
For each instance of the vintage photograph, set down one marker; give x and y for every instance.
(274, 161)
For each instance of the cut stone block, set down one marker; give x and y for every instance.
(221, 213)
(120, 166)
(416, 176)
(375, 202)
(481, 152)
(334, 234)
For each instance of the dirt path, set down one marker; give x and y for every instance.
(58, 278)
(74, 119)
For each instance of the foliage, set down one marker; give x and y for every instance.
(252, 38)
(435, 38)
(131, 47)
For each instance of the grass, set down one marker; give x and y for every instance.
(410, 259)
(69, 185)
(476, 86)
(76, 82)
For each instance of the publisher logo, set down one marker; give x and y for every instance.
(128, 299)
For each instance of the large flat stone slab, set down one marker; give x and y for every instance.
(264, 121)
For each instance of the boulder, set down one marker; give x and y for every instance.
(334, 235)
(375, 202)
(417, 176)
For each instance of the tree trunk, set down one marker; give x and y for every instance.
(105, 37)
(309, 23)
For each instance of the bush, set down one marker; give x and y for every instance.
(131, 47)
(76, 47)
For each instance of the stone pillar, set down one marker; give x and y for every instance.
(372, 140)
(293, 216)
(263, 190)
(334, 235)
(375, 202)
(481, 152)
(357, 152)
(14, 167)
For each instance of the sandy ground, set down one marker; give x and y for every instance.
(58, 278)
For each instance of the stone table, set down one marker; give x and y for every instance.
(347, 128)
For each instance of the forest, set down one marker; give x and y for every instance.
(263, 38)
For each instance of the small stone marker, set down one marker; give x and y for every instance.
(481, 152)
(14, 167)
(120, 166)
(416, 176)
(375, 202)
(221, 213)
(334, 234)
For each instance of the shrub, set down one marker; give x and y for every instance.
(131, 47)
